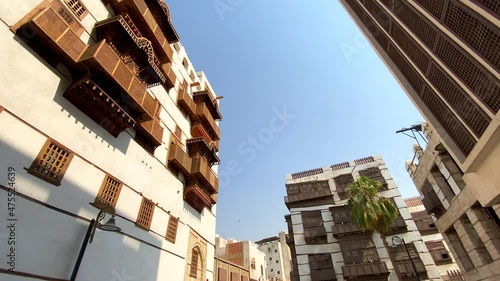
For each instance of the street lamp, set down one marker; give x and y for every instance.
(110, 225)
(396, 240)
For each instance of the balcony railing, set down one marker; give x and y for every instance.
(366, 271)
(348, 228)
(207, 120)
(101, 58)
(201, 170)
(152, 130)
(59, 31)
(185, 101)
(179, 159)
(197, 198)
(97, 105)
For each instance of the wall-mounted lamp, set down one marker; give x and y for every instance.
(110, 225)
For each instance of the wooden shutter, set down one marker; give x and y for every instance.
(145, 215)
(51, 162)
(108, 193)
(172, 229)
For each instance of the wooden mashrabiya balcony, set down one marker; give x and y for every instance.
(56, 32)
(152, 17)
(204, 173)
(185, 101)
(153, 130)
(197, 198)
(199, 145)
(204, 117)
(115, 77)
(121, 32)
(179, 159)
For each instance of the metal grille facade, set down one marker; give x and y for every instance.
(448, 53)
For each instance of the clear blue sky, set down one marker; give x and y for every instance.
(264, 56)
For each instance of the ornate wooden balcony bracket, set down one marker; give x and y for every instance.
(114, 30)
(197, 198)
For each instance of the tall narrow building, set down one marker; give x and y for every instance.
(327, 245)
(446, 56)
(101, 111)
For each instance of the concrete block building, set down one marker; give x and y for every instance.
(471, 230)
(242, 253)
(100, 106)
(327, 245)
(278, 257)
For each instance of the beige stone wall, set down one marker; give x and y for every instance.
(229, 269)
(196, 242)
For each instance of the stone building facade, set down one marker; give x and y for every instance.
(327, 245)
(278, 257)
(471, 230)
(439, 250)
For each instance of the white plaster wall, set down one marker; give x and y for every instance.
(32, 90)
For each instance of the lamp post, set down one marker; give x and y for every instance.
(89, 236)
(396, 240)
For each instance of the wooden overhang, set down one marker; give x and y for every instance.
(121, 32)
(95, 103)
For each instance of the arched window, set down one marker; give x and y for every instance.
(253, 264)
(194, 263)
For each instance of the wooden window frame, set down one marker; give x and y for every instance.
(173, 225)
(193, 266)
(71, 7)
(144, 214)
(98, 199)
(178, 133)
(57, 181)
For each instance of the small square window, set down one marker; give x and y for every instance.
(271, 270)
(269, 250)
(275, 251)
(145, 215)
(445, 256)
(432, 225)
(270, 259)
(109, 192)
(77, 7)
(278, 272)
(51, 162)
(277, 261)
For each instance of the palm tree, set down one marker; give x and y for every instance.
(373, 212)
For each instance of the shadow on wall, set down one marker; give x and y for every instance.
(48, 234)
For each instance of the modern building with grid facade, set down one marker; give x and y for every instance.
(327, 245)
(471, 230)
(100, 106)
(439, 250)
(446, 56)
